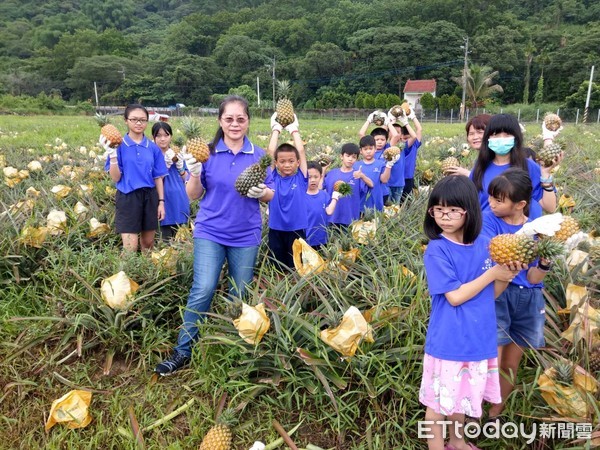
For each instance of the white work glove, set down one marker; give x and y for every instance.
(293, 126)
(393, 161)
(402, 120)
(257, 191)
(195, 167)
(549, 134)
(258, 446)
(547, 225)
(574, 241)
(169, 155)
(412, 115)
(336, 195)
(108, 150)
(179, 163)
(275, 126)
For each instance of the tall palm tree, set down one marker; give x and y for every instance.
(480, 85)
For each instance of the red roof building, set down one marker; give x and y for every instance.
(414, 89)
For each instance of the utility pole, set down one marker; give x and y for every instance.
(96, 92)
(589, 93)
(464, 92)
(273, 82)
(258, 90)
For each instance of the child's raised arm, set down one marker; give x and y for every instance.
(363, 130)
(294, 130)
(274, 140)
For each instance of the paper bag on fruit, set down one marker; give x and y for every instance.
(165, 259)
(253, 323)
(71, 409)
(569, 400)
(364, 231)
(306, 259)
(117, 291)
(574, 296)
(584, 325)
(349, 333)
(33, 237)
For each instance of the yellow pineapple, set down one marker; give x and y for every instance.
(195, 145)
(284, 109)
(109, 131)
(510, 248)
(552, 121)
(220, 436)
(391, 152)
(397, 111)
(450, 161)
(568, 228)
(595, 360)
(379, 118)
(547, 154)
(343, 188)
(253, 175)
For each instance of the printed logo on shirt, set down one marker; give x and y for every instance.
(294, 186)
(487, 264)
(376, 170)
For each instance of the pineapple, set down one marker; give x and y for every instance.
(379, 118)
(552, 121)
(391, 152)
(546, 155)
(450, 161)
(109, 131)
(549, 248)
(220, 437)
(343, 188)
(397, 111)
(284, 109)
(510, 248)
(324, 159)
(595, 360)
(406, 107)
(568, 228)
(195, 145)
(563, 372)
(253, 175)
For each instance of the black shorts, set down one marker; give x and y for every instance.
(137, 211)
(280, 246)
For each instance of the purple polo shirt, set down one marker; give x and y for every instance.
(139, 164)
(348, 208)
(177, 204)
(287, 209)
(225, 216)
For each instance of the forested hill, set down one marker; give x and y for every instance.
(165, 51)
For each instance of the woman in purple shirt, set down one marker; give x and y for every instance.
(228, 225)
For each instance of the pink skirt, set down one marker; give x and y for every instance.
(455, 387)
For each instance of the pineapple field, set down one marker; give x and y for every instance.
(58, 332)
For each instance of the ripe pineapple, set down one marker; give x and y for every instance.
(563, 372)
(595, 360)
(253, 175)
(324, 159)
(284, 109)
(391, 152)
(343, 188)
(552, 121)
(546, 155)
(406, 107)
(379, 118)
(568, 228)
(509, 248)
(220, 437)
(109, 131)
(397, 110)
(195, 145)
(450, 161)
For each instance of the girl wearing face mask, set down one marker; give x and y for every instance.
(502, 148)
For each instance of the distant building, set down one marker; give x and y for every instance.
(414, 90)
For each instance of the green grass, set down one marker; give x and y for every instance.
(56, 334)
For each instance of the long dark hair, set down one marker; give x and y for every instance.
(513, 184)
(226, 101)
(455, 191)
(499, 123)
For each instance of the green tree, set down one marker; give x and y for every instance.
(529, 50)
(577, 100)
(538, 98)
(359, 100)
(392, 99)
(480, 85)
(428, 101)
(381, 101)
(245, 91)
(369, 101)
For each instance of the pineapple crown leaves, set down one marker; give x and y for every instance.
(548, 248)
(191, 127)
(102, 119)
(343, 188)
(283, 88)
(265, 162)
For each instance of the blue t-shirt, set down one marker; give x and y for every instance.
(466, 332)
(316, 232)
(177, 204)
(225, 216)
(493, 170)
(373, 198)
(493, 226)
(397, 176)
(287, 209)
(411, 159)
(385, 190)
(139, 164)
(348, 208)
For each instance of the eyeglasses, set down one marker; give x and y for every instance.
(230, 120)
(438, 214)
(140, 121)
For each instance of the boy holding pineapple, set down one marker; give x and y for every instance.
(287, 209)
(350, 183)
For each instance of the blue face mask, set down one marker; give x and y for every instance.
(501, 146)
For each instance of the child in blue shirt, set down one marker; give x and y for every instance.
(177, 204)
(412, 141)
(287, 209)
(378, 171)
(348, 208)
(520, 309)
(460, 366)
(319, 207)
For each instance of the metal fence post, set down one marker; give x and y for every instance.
(436, 113)
(577, 117)
(519, 115)
(537, 116)
(452, 112)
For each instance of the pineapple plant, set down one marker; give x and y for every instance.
(448, 162)
(595, 360)
(547, 154)
(379, 118)
(568, 228)
(391, 152)
(563, 372)
(109, 131)
(253, 175)
(220, 436)
(195, 145)
(284, 108)
(508, 248)
(552, 121)
(343, 188)
(549, 248)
